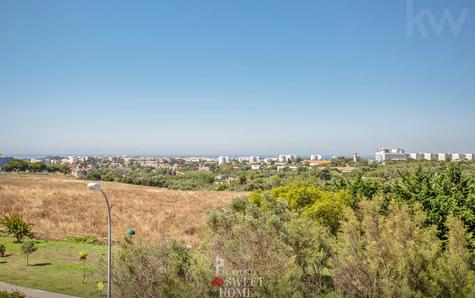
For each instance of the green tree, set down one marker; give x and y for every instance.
(16, 226)
(16, 165)
(361, 188)
(28, 247)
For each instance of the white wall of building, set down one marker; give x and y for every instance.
(430, 156)
(223, 160)
(416, 156)
(316, 157)
(458, 156)
(444, 156)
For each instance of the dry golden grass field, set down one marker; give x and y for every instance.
(61, 206)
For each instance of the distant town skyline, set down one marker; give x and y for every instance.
(259, 155)
(226, 77)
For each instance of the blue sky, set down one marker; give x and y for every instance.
(235, 77)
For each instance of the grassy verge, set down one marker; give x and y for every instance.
(55, 267)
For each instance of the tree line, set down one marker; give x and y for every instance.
(18, 165)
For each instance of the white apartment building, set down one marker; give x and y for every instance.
(469, 156)
(444, 156)
(316, 157)
(458, 156)
(430, 156)
(416, 156)
(291, 157)
(269, 159)
(243, 159)
(287, 158)
(395, 154)
(223, 160)
(254, 159)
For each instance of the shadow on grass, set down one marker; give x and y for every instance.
(40, 264)
(3, 262)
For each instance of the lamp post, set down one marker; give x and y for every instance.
(130, 232)
(97, 186)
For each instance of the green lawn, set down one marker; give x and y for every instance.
(53, 267)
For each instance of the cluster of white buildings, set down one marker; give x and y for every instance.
(282, 158)
(398, 154)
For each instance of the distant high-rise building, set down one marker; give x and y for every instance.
(223, 160)
(282, 158)
(287, 158)
(469, 156)
(316, 157)
(291, 157)
(253, 159)
(355, 157)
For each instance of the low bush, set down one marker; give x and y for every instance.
(2, 250)
(12, 294)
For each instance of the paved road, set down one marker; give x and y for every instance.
(33, 293)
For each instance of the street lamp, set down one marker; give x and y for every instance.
(130, 232)
(97, 186)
